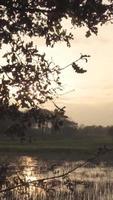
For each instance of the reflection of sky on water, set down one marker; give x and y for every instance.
(30, 168)
(29, 165)
(34, 169)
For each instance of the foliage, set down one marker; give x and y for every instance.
(43, 18)
(110, 131)
(22, 121)
(27, 78)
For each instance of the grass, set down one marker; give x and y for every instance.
(79, 147)
(88, 183)
(79, 144)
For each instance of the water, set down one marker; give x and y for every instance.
(28, 177)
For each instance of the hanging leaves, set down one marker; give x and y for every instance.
(27, 78)
(29, 75)
(77, 68)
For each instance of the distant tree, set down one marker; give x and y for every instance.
(16, 130)
(110, 131)
(27, 79)
(70, 128)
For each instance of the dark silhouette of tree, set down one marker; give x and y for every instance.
(27, 78)
(110, 131)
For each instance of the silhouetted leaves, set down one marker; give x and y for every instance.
(78, 69)
(43, 18)
(27, 78)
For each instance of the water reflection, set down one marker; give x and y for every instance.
(29, 167)
(90, 182)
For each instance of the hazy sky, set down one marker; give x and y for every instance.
(91, 101)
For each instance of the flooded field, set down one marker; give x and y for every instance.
(32, 178)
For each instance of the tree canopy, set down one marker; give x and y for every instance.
(27, 78)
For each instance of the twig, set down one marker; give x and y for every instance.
(70, 64)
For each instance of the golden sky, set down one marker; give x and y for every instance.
(91, 101)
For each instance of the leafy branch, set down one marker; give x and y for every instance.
(75, 66)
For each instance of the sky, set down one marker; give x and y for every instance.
(88, 97)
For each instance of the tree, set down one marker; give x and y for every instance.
(110, 131)
(26, 78)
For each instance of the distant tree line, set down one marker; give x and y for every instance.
(44, 123)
